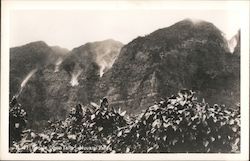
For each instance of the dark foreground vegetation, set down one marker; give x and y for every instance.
(177, 124)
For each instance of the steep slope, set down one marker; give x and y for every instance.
(102, 53)
(52, 79)
(184, 55)
(75, 80)
(27, 81)
(32, 56)
(25, 58)
(86, 64)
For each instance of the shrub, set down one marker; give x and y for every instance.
(177, 124)
(17, 121)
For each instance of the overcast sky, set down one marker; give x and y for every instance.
(73, 28)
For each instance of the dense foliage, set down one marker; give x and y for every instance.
(17, 121)
(177, 124)
(181, 124)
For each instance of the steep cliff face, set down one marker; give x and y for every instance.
(86, 65)
(28, 65)
(26, 58)
(184, 55)
(51, 80)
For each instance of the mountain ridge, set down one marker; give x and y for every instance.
(50, 91)
(194, 58)
(133, 76)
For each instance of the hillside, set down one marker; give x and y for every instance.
(185, 55)
(51, 80)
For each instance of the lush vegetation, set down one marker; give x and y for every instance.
(177, 124)
(17, 121)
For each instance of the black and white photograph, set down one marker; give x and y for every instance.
(127, 79)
